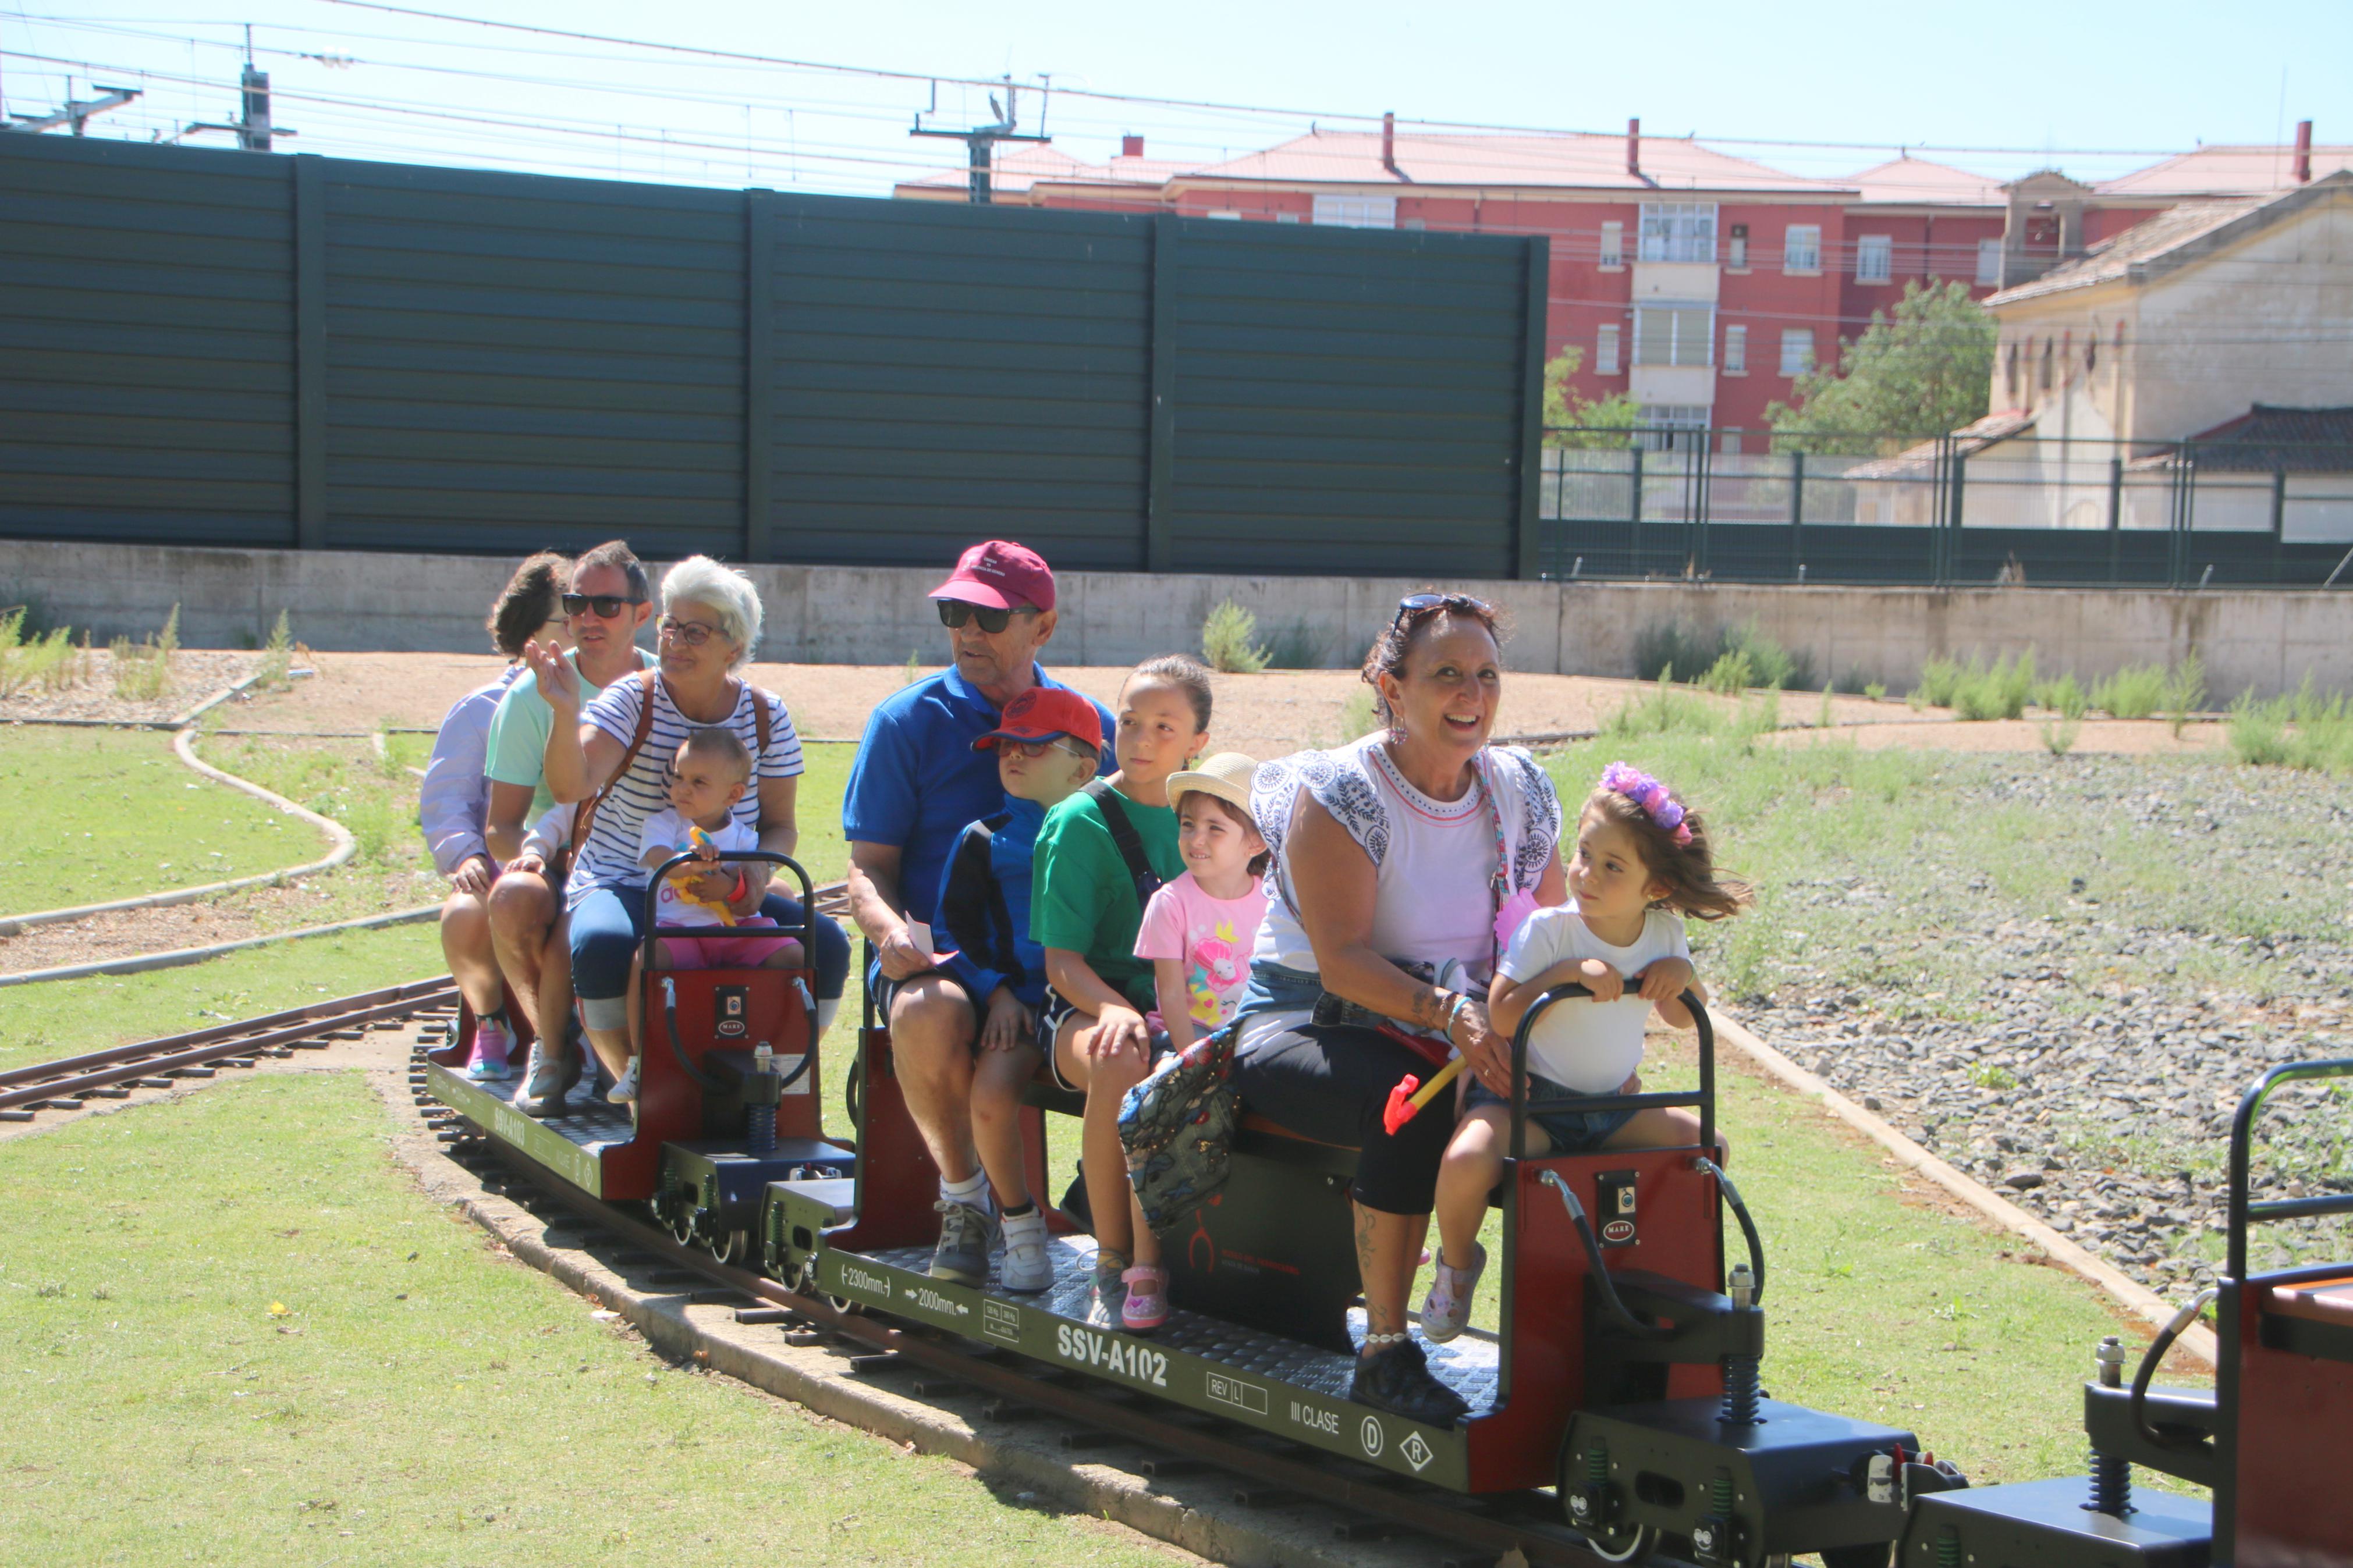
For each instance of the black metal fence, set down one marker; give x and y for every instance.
(1673, 503)
(218, 348)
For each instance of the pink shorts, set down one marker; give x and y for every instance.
(731, 947)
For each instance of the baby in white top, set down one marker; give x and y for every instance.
(1642, 861)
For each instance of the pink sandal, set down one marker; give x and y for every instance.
(1146, 1306)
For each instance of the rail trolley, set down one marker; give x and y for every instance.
(1625, 1375)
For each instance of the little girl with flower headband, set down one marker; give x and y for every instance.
(1642, 860)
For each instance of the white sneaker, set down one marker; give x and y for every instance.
(493, 1045)
(547, 1079)
(625, 1092)
(1027, 1265)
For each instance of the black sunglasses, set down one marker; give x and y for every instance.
(956, 612)
(1417, 605)
(607, 605)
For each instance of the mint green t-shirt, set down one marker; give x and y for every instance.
(1083, 900)
(518, 743)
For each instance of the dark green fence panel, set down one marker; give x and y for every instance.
(947, 373)
(220, 348)
(517, 361)
(147, 336)
(1346, 401)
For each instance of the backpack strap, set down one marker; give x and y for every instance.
(1000, 913)
(1124, 836)
(585, 813)
(972, 905)
(759, 701)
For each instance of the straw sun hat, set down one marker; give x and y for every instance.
(1226, 775)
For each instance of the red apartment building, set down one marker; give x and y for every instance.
(1699, 283)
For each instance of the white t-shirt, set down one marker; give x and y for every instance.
(668, 829)
(1433, 861)
(550, 833)
(1590, 1046)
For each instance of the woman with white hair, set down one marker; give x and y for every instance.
(710, 623)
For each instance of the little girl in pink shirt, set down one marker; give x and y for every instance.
(1199, 929)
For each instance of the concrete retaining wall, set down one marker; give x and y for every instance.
(2268, 641)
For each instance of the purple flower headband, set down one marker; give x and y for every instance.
(1658, 802)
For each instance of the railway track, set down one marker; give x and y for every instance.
(70, 1083)
(1463, 1533)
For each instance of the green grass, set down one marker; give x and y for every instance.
(1937, 843)
(69, 1017)
(111, 813)
(235, 1331)
(2302, 731)
(374, 797)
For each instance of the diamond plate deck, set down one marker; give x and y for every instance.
(586, 1120)
(1469, 1365)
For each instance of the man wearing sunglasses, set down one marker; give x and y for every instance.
(916, 782)
(609, 602)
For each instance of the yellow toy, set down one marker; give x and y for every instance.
(707, 847)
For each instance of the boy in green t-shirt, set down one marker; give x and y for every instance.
(1085, 908)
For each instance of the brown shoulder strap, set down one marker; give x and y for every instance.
(759, 701)
(586, 812)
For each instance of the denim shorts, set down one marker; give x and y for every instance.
(1553, 1107)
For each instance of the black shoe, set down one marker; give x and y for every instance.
(1396, 1379)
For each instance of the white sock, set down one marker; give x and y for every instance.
(972, 1192)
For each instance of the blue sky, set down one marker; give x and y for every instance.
(2017, 88)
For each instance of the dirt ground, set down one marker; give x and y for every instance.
(1265, 715)
(2118, 737)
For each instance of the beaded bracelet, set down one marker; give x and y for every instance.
(1376, 1341)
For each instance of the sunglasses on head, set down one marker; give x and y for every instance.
(607, 605)
(956, 612)
(1415, 605)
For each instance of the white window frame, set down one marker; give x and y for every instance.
(1798, 350)
(1735, 351)
(1355, 212)
(1676, 313)
(1989, 263)
(1229, 214)
(1874, 259)
(1613, 247)
(1605, 349)
(1671, 426)
(1678, 231)
(1735, 255)
(1801, 247)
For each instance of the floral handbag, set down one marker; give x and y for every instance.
(1177, 1126)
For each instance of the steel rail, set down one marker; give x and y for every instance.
(104, 1069)
(1491, 1523)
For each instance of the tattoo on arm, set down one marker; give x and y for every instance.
(1429, 1007)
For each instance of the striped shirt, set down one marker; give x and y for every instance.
(609, 858)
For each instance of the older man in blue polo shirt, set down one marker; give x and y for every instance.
(917, 783)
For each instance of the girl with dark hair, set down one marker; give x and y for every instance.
(453, 804)
(1642, 860)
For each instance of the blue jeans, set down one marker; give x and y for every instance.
(609, 930)
(1553, 1107)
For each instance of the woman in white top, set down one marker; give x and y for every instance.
(453, 802)
(1396, 861)
(709, 626)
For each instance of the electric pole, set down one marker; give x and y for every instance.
(252, 128)
(981, 139)
(77, 111)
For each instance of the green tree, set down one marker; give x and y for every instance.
(1573, 421)
(1923, 372)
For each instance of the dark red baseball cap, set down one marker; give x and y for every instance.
(998, 574)
(1046, 714)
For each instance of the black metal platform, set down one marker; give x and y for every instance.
(1468, 1364)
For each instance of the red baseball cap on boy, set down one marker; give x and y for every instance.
(998, 574)
(1046, 714)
